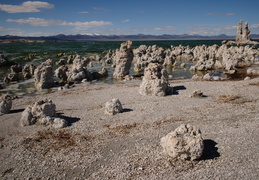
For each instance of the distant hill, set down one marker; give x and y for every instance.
(96, 37)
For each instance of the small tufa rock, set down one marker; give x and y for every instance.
(42, 112)
(113, 107)
(155, 81)
(6, 104)
(197, 93)
(185, 142)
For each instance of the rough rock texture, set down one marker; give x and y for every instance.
(6, 104)
(185, 142)
(43, 75)
(79, 70)
(155, 81)
(28, 71)
(3, 60)
(100, 74)
(113, 107)
(62, 73)
(123, 59)
(42, 112)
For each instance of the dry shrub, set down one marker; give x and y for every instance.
(122, 127)
(232, 99)
(50, 140)
(254, 84)
(167, 121)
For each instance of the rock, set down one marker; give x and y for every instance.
(185, 142)
(43, 75)
(6, 104)
(101, 74)
(62, 73)
(123, 59)
(17, 68)
(79, 70)
(247, 78)
(42, 112)
(155, 81)
(3, 60)
(197, 93)
(113, 107)
(11, 77)
(28, 71)
(243, 37)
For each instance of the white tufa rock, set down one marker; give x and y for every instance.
(123, 59)
(185, 142)
(113, 107)
(155, 81)
(42, 112)
(5, 104)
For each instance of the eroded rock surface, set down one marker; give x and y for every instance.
(155, 81)
(113, 107)
(123, 59)
(5, 104)
(43, 113)
(185, 142)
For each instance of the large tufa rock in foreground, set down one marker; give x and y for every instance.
(185, 142)
(113, 107)
(42, 112)
(43, 75)
(123, 59)
(155, 81)
(5, 104)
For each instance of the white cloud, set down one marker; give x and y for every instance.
(83, 12)
(28, 6)
(126, 20)
(35, 21)
(43, 22)
(165, 28)
(255, 26)
(9, 29)
(218, 14)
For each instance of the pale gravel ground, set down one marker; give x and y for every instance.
(127, 145)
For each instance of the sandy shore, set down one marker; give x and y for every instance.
(127, 145)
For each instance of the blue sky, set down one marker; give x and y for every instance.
(118, 17)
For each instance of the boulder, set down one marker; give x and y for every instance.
(43, 75)
(185, 142)
(113, 107)
(123, 59)
(6, 104)
(28, 71)
(155, 81)
(42, 112)
(101, 74)
(62, 73)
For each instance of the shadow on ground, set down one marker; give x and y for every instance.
(210, 150)
(70, 120)
(175, 90)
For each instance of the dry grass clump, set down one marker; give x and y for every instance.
(254, 84)
(50, 140)
(232, 99)
(122, 127)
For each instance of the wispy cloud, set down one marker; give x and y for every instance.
(126, 20)
(83, 12)
(9, 29)
(219, 14)
(26, 7)
(254, 26)
(35, 21)
(43, 22)
(100, 9)
(165, 28)
(140, 11)
(206, 30)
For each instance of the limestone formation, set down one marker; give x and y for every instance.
(28, 71)
(79, 70)
(101, 74)
(3, 60)
(43, 113)
(113, 107)
(155, 81)
(5, 104)
(123, 59)
(43, 75)
(62, 73)
(243, 35)
(185, 142)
